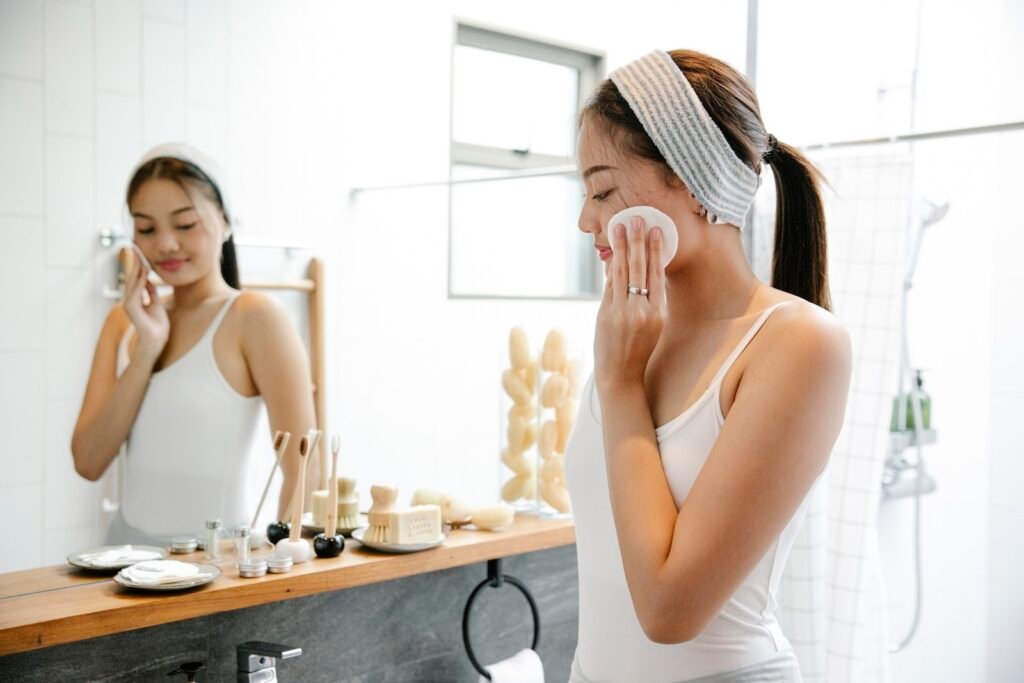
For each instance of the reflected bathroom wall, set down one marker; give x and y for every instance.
(299, 102)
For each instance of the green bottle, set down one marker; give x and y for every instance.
(926, 408)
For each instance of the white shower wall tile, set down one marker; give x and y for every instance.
(22, 404)
(69, 68)
(21, 139)
(22, 281)
(118, 149)
(70, 201)
(118, 45)
(21, 38)
(163, 82)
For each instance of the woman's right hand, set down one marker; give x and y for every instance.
(152, 326)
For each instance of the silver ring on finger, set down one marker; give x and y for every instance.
(633, 289)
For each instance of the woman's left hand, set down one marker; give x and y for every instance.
(629, 325)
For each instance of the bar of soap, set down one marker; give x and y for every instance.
(417, 524)
(493, 517)
(652, 217)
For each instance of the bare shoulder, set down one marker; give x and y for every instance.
(807, 336)
(259, 312)
(256, 307)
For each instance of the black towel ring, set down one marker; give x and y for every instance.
(495, 577)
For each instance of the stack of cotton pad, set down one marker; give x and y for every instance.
(158, 572)
(652, 217)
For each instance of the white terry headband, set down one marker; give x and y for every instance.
(686, 135)
(199, 160)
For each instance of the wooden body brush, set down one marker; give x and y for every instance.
(295, 545)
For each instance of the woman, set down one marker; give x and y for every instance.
(182, 379)
(716, 398)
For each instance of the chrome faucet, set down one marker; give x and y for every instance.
(257, 661)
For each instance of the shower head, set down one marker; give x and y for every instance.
(932, 213)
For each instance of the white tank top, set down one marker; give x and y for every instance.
(189, 455)
(612, 645)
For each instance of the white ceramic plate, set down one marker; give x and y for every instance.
(207, 573)
(396, 548)
(311, 529)
(80, 560)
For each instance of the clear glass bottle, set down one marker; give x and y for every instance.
(242, 534)
(212, 539)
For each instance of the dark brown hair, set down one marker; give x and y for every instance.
(800, 260)
(181, 172)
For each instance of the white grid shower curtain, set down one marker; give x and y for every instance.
(831, 601)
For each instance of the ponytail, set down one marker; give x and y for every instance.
(229, 263)
(800, 258)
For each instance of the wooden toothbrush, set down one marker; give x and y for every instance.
(332, 497)
(281, 440)
(330, 543)
(300, 491)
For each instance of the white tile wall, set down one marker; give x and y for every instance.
(21, 38)
(118, 149)
(21, 139)
(69, 500)
(23, 512)
(118, 45)
(163, 82)
(207, 29)
(22, 401)
(172, 11)
(70, 201)
(69, 68)
(22, 271)
(71, 317)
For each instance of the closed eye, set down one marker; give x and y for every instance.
(601, 196)
(187, 227)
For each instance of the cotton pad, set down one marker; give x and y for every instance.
(652, 217)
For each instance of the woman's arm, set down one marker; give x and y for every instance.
(683, 565)
(111, 403)
(279, 366)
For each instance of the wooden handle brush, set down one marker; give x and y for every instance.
(300, 490)
(332, 497)
(281, 440)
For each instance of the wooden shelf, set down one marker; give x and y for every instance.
(54, 605)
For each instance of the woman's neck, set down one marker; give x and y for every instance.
(195, 293)
(717, 283)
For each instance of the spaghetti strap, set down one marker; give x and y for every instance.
(754, 329)
(219, 318)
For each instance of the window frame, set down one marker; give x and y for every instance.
(589, 64)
